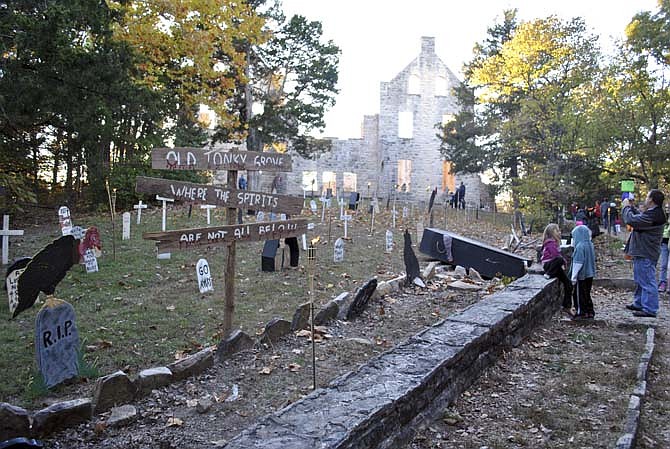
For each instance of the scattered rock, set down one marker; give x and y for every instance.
(153, 378)
(475, 276)
(275, 329)
(122, 416)
(14, 422)
(236, 342)
(429, 271)
(62, 415)
(459, 272)
(192, 365)
(343, 300)
(301, 317)
(460, 285)
(361, 299)
(328, 312)
(204, 405)
(113, 389)
(363, 341)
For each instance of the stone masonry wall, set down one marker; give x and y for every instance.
(382, 403)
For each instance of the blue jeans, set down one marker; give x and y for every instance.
(664, 263)
(646, 290)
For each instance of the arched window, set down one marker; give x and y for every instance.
(414, 85)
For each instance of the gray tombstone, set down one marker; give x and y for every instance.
(57, 343)
(338, 253)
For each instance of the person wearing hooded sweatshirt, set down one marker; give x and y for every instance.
(582, 271)
(644, 246)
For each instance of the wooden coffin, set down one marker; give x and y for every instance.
(487, 260)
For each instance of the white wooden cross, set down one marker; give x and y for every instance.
(346, 219)
(165, 201)
(209, 207)
(5, 233)
(139, 206)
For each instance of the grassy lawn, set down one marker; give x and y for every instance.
(138, 311)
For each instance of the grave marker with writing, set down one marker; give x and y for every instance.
(139, 206)
(338, 251)
(204, 276)
(5, 232)
(90, 261)
(389, 241)
(126, 226)
(57, 342)
(65, 220)
(312, 206)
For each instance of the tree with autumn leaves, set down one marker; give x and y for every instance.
(88, 88)
(554, 120)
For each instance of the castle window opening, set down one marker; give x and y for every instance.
(329, 179)
(309, 180)
(349, 181)
(404, 175)
(414, 85)
(441, 86)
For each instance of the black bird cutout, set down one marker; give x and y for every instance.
(411, 263)
(46, 270)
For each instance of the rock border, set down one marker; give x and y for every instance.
(631, 425)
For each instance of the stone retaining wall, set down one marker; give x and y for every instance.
(383, 402)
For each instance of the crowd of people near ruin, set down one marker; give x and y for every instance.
(648, 232)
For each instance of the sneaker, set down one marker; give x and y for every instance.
(634, 308)
(662, 287)
(642, 313)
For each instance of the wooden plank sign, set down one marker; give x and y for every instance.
(217, 236)
(219, 195)
(181, 158)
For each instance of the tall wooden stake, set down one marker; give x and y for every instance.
(229, 275)
(112, 212)
(311, 260)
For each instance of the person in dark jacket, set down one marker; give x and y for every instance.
(644, 246)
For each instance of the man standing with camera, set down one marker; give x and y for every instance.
(644, 246)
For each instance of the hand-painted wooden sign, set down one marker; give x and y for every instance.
(204, 276)
(57, 343)
(65, 220)
(218, 159)
(219, 195)
(221, 235)
(12, 283)
(338, 251)
(126, 226)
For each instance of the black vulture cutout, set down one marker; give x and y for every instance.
(411, 263)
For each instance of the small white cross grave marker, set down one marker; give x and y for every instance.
(405, 212)
(5, 233)
(260, 216)
(323, 208)
(338, 251)
(165, 201)
(304, 242)
(65, 220)
(204, 276)
(346, 219)
(139, 206)
(208, 207)
(126, 226)
(312, 206)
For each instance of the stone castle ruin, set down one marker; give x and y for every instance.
(398, 146)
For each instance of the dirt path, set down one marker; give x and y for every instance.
(567, 386)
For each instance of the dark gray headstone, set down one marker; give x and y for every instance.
(57, 344)
(301, 317)
(361, 299)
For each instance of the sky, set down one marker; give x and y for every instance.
(379, 38)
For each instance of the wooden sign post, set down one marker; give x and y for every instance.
(5, 232)
(225, 196)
